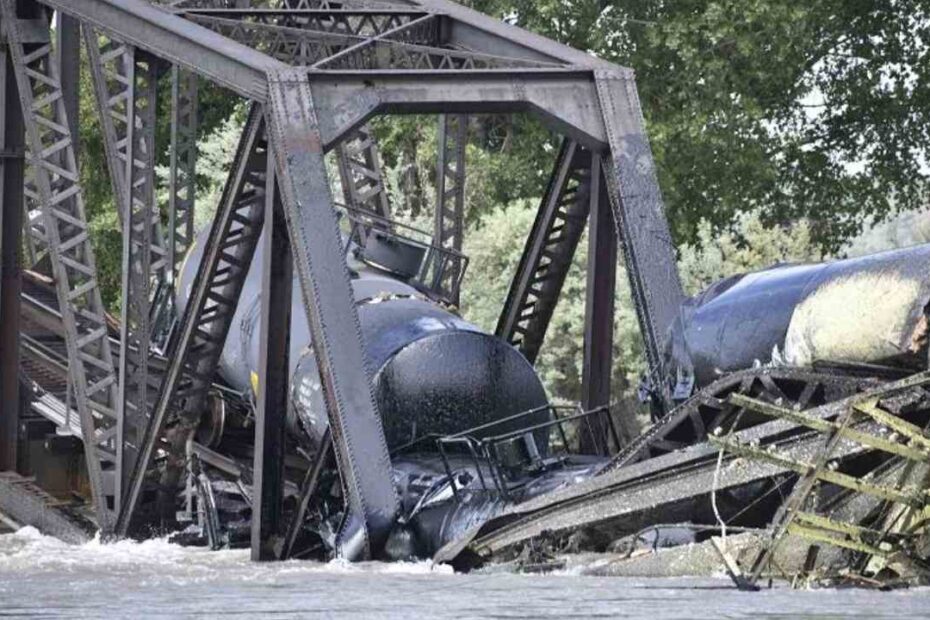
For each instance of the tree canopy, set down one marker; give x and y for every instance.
(790, 109)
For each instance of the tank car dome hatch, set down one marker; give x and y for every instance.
(392, 254)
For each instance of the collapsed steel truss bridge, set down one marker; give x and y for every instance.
(314, 72)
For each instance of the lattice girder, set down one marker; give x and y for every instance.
(287, 44)
(209, 312)
(449, 216)
(360, 171)
(141, 222)
(356, 23)
(112, 65)
(548, 254)
(182, 182)
(56, 191)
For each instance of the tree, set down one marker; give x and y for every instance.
(495, 245)
(216, 108)
(508, 158)
(815, 110)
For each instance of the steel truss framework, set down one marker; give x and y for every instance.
(360, 173)
(449, 219)
(125, 83)
(54, 187)
(315, 72)
(182, 183)
(548, 255)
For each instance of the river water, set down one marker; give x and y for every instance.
(42, 577)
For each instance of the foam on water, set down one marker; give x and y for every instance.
(41, 576)
(27, 551)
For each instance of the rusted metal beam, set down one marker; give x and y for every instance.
(548, 253)
(599, 302)
(271, 413)
(12, 144)
(358, 436)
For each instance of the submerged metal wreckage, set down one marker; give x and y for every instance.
(297, 378)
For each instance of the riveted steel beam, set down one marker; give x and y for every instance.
(206, 319)
(358, 437)
(449, 217)
(204, 4)
(176, 40)
(564, 99)
(68, 48)
(57, 192)
(141, 263)
(268, 527)
(548, 253)
(12, 177)
(182, 178)
(599, 304)
(639, 217)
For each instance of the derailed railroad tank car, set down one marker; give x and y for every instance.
(432, 372)
(859, 311)
(444, 389)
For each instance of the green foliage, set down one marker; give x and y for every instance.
(495, 246)
(749, 245)
(792, 109)
(215, 152)
(217, 110)
(508, 158)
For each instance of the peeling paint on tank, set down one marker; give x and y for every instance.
(865, 316)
